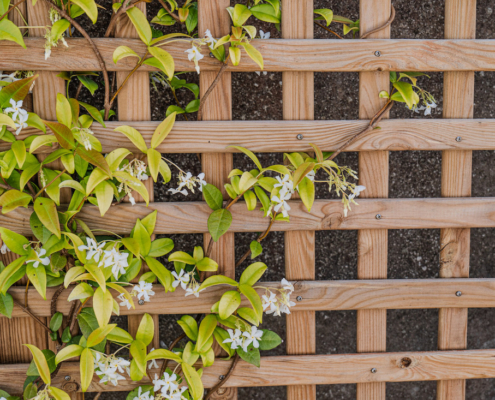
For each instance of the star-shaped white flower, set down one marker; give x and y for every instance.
(94, 250)
(182, 279)
(235, 339)
(270, 302)
(144, 290)
(194, 54)
(36, 262)
(193, 290)
(4, 249)
(201, 181)
(286, 285)
(252, 337)
(357, 191)
(264, 35)
(169, 383)
(15, 109)
(124, 302)
(210, 40)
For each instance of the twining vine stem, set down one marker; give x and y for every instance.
(390, 20)
(11, 8)
(215, 388)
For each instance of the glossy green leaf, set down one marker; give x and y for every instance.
(41, 363)
(46, 210)
(219, 222)
(103, 305)
(254, 299)
(141, 24)
(87, 368)
(229, 303)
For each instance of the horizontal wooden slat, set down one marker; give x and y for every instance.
(306, 370)
(278, 55)
(316, 296)
(191, 217)
(268, 136)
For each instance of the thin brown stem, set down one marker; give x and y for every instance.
(5, 186)
(31, 189)
(178, 103)
(53, 302)
(171, 348)
(48, 184)
(390, 20)
(127, 78)
(329, 30)
(372, 124)
(98, 55)
(78, 92)
(214, 389)
(26, 294)
(34, 317)
(260, 238)
(11, 8)
(167, 9)
(210, 89)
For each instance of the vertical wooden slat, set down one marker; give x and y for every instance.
(458, 95)
(134, 105)
(298, 103)
(212, 15)
(373, 173)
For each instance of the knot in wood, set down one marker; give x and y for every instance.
(405, 362)
(70, 387)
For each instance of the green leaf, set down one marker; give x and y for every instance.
(162, 130)
(182, 256)
(9, 31)
(141, 24)
(134, 136)
(154, 158)
(252, 274)
(6, 305)
(87, 321)
(189, 326)
(87, 368)
(143, 238)
(250, 154)
(164, 355)
(104, 195)
(235, 55)
(12, 199)
(254, 299)
(207, 264)
(98, 335)
(251, 356)
(94, 157)
(59, 394)
(217, 280)
(42, 140)
(269, 340)
(256, 249)
(206, 329)
(248, 314)
(325, 13)
(63, 108)
(37, 276)
(239, 14)
(220, 335)
(306, 191)
(41, 363)
(30, 391)
(103, 306)
(81, 291)
(120, 336)
(10, 273)
(265, 12)
(93, 111)
(15, 242)
(253, 53)
(46, 210)
(63, 134)
(146, 330)
(193, 381)
(229, 302)
(56, 321)
(213, 196)
(73, 350)
(19, 149)
(219, 222)
(160, 247)
(193, 106)
(162, 273)
(123, 52)
(246, 182)
(17, 90)
(250, 199)
(408, 94)
(167, 61)
(90, 84)
(138, 352)
(89, 7)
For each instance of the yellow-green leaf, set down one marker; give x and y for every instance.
(154, 158)
(134, 136)
(165, 59)
(40, 362)
(46, 210)
(12, 199)
(194, 381)
(253, 53)
(103, 305)
(146, 330)
(163, 130)
(235, 55)
(104, 195)
(228, 303)
(81, 291)
(87, 368)
(73, 350)
(59, 394)
(89, 7)
(123, 52)
(99, 334)
(254, 299)
(6, 120)
(141, 24)
(64, 111)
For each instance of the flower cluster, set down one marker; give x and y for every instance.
(109, 369)
(84, 135)
(143, 291)
(136, 168)
(51, 41)
(143, 396)
(18, 115)
(187, 282)
(194, 53)
(106, 258)
(189, 181)
(281, 304)
(285, 193)
(245, 338)
(168, 385)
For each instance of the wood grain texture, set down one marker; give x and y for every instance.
(269, 136)
(191, 217)
(321, 55)
(373, 173)
(363, 294)
(458, 92)
(309, 370)
(298, 104)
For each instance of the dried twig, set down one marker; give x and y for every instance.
(34, 317)
(210, 89)
(214, 389)
(260, 238)
(329, 30)
(390, 20)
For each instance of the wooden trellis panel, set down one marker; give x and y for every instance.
(298, 104)
(458, 94)
(373, 173)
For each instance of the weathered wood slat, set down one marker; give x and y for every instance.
(191, 217)
(279, 55)
(269, 136)
(316, 296)
(307, 370)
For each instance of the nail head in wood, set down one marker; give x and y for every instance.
(141, 302)
(377, 53)
(67, 378)
(458, 139)
(299, 298)
(378, 216)
(300, 137)
(458, 293)
(373, 370)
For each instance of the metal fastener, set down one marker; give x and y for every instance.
(299, 298)
(458, 139)
(300, 137)
(377, 53)
(373, 370)
(141, 302)
(67, 378)
(458, 293)
(378, 216)
(221, 377)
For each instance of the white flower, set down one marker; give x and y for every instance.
(15, 109)
(144, 290)
(286, 184)
(186, 180)
(429, 108)
(177, 394)
(264, 35)
(235, 338)
(270, 302)
(209, 40)
(195, 55)
(143, 396)
(39, 254)
(169, 383)
(286, 285)
(252, 337)
(201, 181)
(120, 364)
(141, 171)
(311, 176)
(131, 199)
(193, 289)
(158, 383)
(93, 249)
(106, 369)
(153, 363)
(4, 249)
(8, 78)
(281, 204)
(357, 191)
(175, 191)
(285, 303)
(182, 279)
(20, 122)
(124, 302)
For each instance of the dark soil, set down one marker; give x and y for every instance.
(413, 254)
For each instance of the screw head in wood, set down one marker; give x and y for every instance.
(378, 216)
(458, 139)
(67, 378)
(300, 137)
(299, 298)
(221, 377)
(141, 302)
(373, 370)
(377, 53)
(458, 293)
